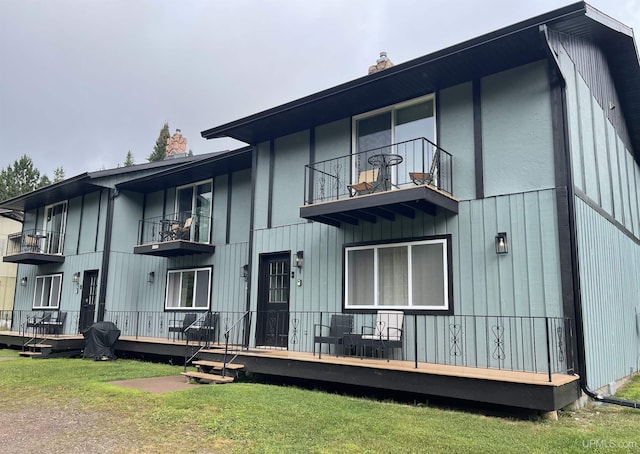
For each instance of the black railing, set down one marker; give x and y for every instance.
(396, 166)
(515, 343)
(185, 225)
(37, 241)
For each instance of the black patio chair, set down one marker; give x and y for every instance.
(341, 324)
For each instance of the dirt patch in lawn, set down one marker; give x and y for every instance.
(157, 385)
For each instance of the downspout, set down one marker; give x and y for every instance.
(106, 253)
(577, 300)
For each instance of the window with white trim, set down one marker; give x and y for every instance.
(404, 275)
(55, 221)
(188, 289)
(47, 294)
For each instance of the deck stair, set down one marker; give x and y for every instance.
(213, 372)
(36, 350)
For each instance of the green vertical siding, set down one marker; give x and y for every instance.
(525, 282)
(610, 292)
(605, 176)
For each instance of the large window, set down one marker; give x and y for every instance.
(55, 219)
(47, 294)
(188, 289)
(195, 202)
(408, 275)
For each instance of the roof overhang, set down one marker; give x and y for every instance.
(219, 164)
(47, 195)
(506, 48)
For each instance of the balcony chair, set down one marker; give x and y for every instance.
(367, 182)
(422, 178)
(182, 327)
(340, 325)
(183, 233)
(387, 333)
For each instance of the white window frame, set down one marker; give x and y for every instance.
(49, 297)
(63, 227)
(195, 286)
(444, 242)
(193, 185)
(392, 108)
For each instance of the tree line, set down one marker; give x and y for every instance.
(22, 176)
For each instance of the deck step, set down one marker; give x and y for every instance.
(30, 354)
(218, 365)
(211, 378)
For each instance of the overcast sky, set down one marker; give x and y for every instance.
(83, 82)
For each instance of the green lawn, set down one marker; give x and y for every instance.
(249, 417)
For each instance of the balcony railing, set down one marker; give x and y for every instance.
(184, 225)
(396, 166)
(36, 241)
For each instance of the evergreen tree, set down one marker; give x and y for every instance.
(20, 178)
(58, 174)
(160, 147)
(190, 152)
(128, 161)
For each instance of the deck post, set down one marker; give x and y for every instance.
(546, 326)
(415, 340)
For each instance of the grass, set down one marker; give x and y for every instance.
(249, 417)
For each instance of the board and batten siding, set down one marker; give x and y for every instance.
(606, 180)
(525, 282)
(610, 305)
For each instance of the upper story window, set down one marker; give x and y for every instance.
(47, 294)
(55, 220)
(411, 275)
(194, 205)
(394, 130)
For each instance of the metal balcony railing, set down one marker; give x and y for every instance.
(37, 241)
(396, 166)
(184, 225)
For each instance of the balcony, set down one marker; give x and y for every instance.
(183, 233)
(35, 247)
(398, 179)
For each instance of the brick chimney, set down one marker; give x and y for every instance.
(382, 63)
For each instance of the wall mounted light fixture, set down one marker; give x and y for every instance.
(502, 246)
(299, 259)
(244, 272)
(23, 281)
(76, 277)
(151, 277)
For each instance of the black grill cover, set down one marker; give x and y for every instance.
(100, 338)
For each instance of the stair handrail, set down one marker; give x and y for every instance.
(196, 323)
(226, 342)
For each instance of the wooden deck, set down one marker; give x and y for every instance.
(501, 387)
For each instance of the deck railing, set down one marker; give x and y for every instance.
(38, 241)
(396, 166)
(184, 225)
(515, 343)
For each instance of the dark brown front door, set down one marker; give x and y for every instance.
(273, 300)
(88, 304)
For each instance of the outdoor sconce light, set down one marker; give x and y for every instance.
(76, 277)
(152, 277)
(502, 247)
(244, 272)
(299, 259)
(23, 281)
